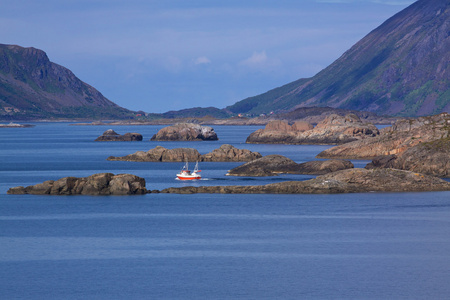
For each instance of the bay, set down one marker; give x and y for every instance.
(165, 246)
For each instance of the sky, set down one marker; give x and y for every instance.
(164, 55)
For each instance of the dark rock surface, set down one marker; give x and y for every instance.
(334, 129)
(345, 181)
(112, 136)
(320, 167)
(226, 153)
(185, 132)
(432, 158)
(403, 135)
(271, 165)
(97, 184)
(268, 165)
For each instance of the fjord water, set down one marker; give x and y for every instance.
(165, 246)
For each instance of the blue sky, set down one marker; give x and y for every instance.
(166, 55)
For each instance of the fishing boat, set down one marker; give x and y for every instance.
(185, 174)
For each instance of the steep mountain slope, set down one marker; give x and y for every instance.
(33, 87)
(400, 68)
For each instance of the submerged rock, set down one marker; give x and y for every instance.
(185, 132)
(112, 136)
(97, 184)
(334, 129)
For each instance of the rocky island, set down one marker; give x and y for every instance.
(112, 136)
(334, 129)
(431, 158)
(185, 132)
(16, 125)
(226, 153)
(97, 184)
(403, 135)
(345, 181)
(271, 165)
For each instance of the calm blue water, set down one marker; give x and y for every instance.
(163, 246)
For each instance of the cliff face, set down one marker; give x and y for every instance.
(400, 68)
(31, 86)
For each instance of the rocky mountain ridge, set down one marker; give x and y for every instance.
(33, 87)
(400, 68)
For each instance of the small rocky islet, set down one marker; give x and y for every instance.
(112, 136)
(271, 165)
(225, 153)
(185, 132)
(97, 184)
(334, 129)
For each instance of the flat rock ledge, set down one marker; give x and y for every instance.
(185, 132)
(97, 184)
(345, 181)
(272, 165)
(112, 136)
(226, 153)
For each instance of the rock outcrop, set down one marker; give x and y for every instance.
(226, 153)
(432, 158)
(268, 165)
(185, 132)
(112, 136)
(230, 153)
(162, 154)
(403, 135)
(271, 165)
(345, 181)
(97, 184)
(320, 167)
(334, 129)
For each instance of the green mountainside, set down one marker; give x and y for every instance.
(400, 68)
(32, 87)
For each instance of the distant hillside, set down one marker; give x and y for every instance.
(400, 68)
(32, 87)
(195, 112)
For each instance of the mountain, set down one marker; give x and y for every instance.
(195, 112)
(400, 68)
(33, 87)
